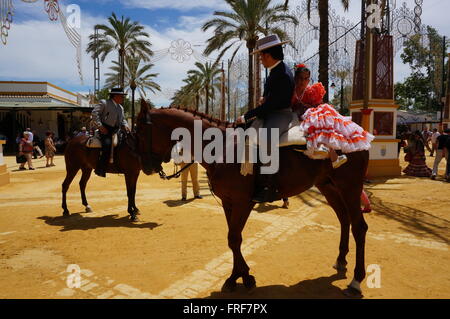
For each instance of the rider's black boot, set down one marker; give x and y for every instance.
(100, 169)
(266, 190)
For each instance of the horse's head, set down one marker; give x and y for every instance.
(153, 144)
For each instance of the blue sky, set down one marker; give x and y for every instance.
(38, 49)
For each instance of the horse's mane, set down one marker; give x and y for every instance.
(210, 119)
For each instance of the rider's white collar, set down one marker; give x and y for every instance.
(274, 66)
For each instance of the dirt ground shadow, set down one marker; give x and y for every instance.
(77, 221)
(414, 220)
(319, 288)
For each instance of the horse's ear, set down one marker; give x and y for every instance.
(144, 106)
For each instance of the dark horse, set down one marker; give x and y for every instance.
(130, 156)
(341, 187)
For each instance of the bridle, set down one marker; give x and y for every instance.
(147, 151)
(155, 157)
(176, 175)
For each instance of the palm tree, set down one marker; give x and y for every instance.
(190, 93)
(124, 36)
(135, 77)
(246, 22)
(194, 87)
(207, 75)
(182, 97)
(323, 6)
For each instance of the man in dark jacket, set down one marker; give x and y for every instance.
(274, 108)
(447, 154)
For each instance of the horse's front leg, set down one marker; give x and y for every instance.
(131, 180)
(237, 216)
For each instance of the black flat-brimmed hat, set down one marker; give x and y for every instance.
(117, 91)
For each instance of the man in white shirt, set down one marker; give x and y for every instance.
(30, 134)
(434, 137)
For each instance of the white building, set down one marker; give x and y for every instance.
(418, 120)
(42, 107)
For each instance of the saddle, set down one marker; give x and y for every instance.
(94, 141)
(292, 138)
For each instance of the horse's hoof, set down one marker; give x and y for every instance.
(340, 267)
(134, 218)
(229, 286)
(352, 292)
(88, 209)
(137, 212)
(249, 282)
(66, 213)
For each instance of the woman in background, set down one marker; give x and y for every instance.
(415, 155)
(50, 149)
(26, 149)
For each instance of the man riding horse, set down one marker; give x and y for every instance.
(108, 116)
(274, 108)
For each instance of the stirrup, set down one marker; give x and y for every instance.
(322, 150)
(342, 159)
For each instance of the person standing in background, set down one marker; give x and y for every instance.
(50, 149)
(26, 149)
(36, 145)
(433, 139)
(426, 135)
(440, 151)
(193, 170)
(416, 157)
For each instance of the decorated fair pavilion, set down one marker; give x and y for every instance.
(42, 107)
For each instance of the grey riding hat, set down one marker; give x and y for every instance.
(268, 42)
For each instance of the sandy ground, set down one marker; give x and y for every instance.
(179, 250)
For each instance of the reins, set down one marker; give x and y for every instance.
(163, 175)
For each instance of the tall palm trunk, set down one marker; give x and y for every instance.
(323, 45)
(222, 95)
(251, 87)
(133, 89)
(122, 67)
(257, 80)
(197, 101)
(207, 99)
